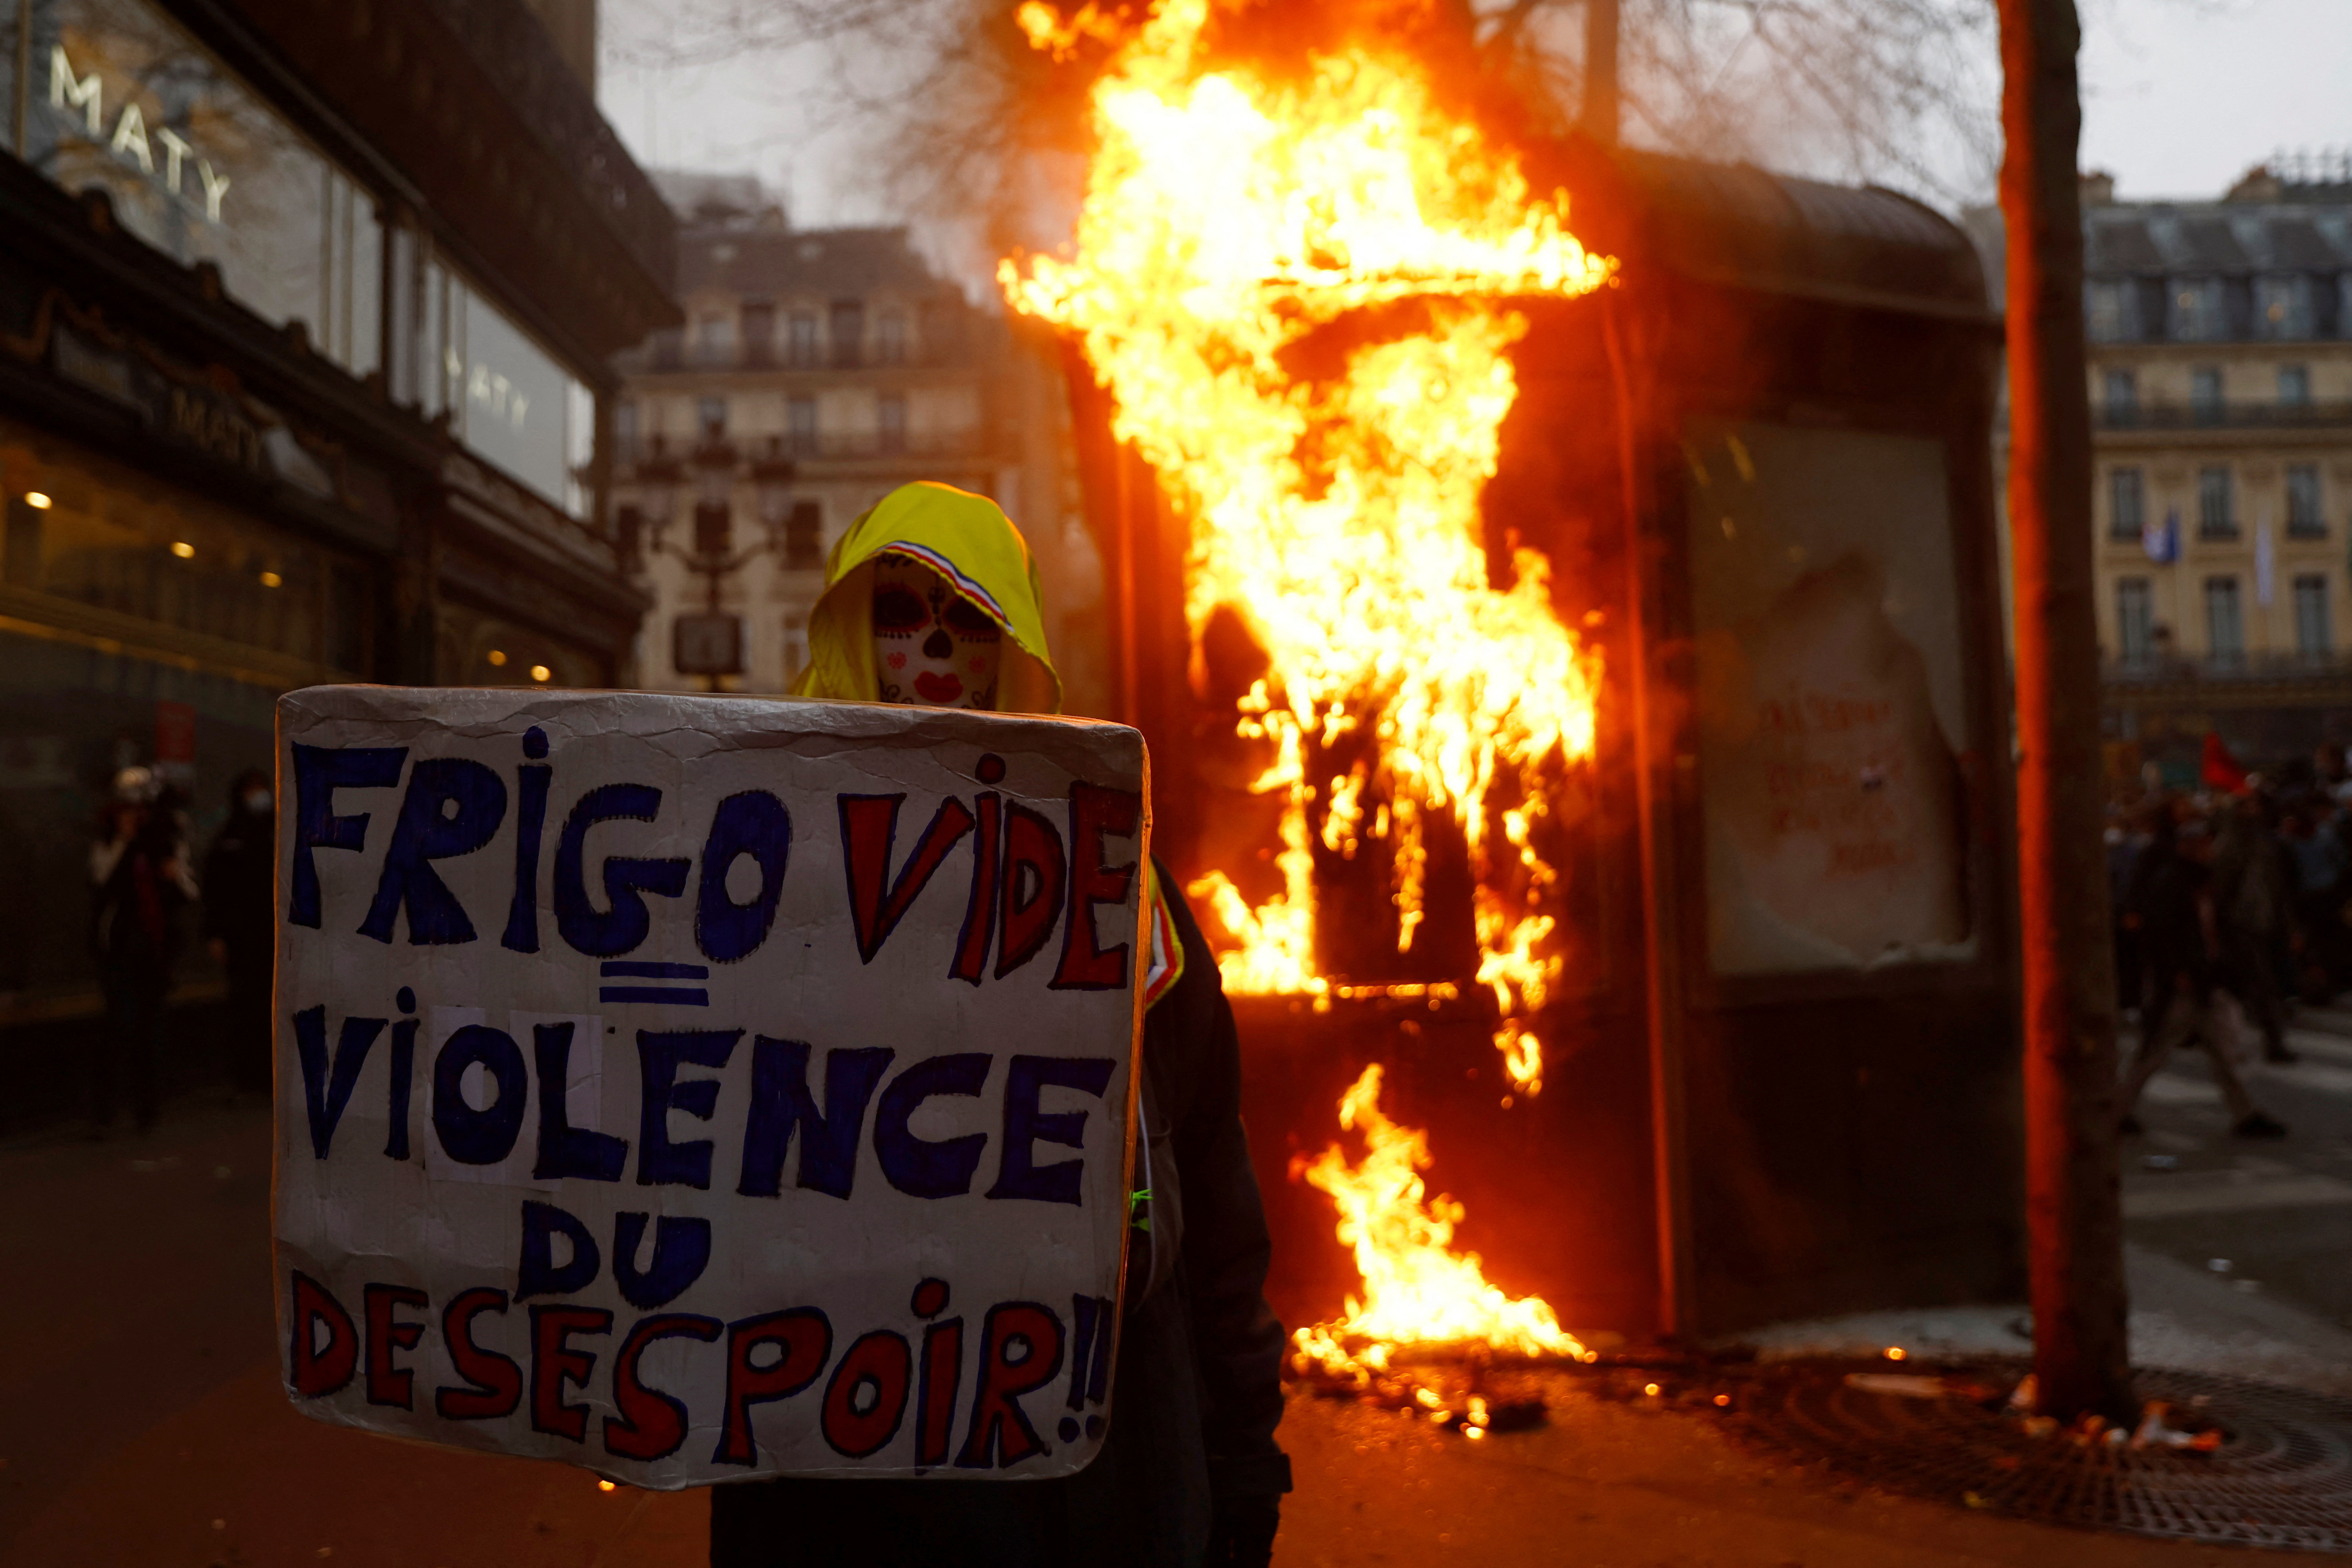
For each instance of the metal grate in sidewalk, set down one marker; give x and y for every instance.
(2282, 1476)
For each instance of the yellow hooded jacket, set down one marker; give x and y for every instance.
(971, 543)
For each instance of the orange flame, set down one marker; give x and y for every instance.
(1417, 1289)
(1227, 218)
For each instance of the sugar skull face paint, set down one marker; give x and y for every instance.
(932, 645)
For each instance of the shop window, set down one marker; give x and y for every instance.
(20, 552)
(491, 652)
(506, 398)
(121, 98)
(348, 618)
(147, 563)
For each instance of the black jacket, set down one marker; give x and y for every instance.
(237, 884)
(1198, 1392)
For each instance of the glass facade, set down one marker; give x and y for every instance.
(102, 549)
(506, 398)
(117, 97)
(141, 622)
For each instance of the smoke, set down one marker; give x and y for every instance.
(941, 112)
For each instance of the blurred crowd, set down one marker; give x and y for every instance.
(143, 885)
(2230, 912)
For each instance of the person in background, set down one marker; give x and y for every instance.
(139, 873)
(2172, 900)
(2126, 836)
(2253, 907)
(931, 598)
(2324, 869)
(239, 929)
(2327, 766)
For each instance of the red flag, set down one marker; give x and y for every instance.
(2220, 769)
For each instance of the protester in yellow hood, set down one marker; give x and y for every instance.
(931, 597)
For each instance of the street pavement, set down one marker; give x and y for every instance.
(141, 1423)
(2270, 1218)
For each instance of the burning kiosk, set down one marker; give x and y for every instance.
(1572, 660)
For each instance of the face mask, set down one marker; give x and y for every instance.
(256, 801)
(932, 645)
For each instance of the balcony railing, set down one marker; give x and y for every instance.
(666, 353)
(2241, 415)
(2155, 669)
(726, 452)
(886, 443)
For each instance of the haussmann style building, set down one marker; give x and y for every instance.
(816, 371)
(2221, 386)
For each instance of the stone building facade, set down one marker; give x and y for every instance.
(816, 371)
(2220, 387)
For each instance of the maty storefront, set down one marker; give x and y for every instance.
(267, 419)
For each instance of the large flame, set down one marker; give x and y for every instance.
(1226, 219)
(1417, 1289)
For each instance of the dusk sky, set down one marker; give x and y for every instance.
(2180, 98)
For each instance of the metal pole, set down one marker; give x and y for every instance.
(2074, 1220)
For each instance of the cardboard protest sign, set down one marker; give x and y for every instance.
(696, 1088)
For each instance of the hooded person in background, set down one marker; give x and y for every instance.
(932, 598)
(238, 886)
(139, 877)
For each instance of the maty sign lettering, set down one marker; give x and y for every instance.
(695, 1088)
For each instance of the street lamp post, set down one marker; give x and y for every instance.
(709, 644)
